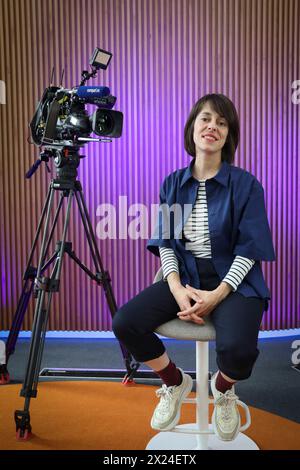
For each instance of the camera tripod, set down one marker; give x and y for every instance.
(66, 161)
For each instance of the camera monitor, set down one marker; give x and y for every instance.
(100, 58)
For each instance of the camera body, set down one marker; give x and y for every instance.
(61, 117)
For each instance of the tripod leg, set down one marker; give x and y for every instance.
(29, 389)
(103, 275)
(40, 316)
(64, 235)
(22, 418)
(28, 285)
(18, 318)
(30, 273)
(53, 225)
(43, 286)
(27, 288)
(104, 279)
(39, 227)
(44, 239)
(88, 229)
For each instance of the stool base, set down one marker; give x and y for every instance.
(180, 441)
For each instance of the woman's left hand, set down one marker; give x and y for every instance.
(210, 299)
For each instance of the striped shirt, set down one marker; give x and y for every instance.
(196, 232)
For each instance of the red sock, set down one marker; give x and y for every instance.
(222, 384)
(170, 375)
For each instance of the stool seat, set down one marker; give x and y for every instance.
(181, 329)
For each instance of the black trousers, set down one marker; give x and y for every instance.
(236, 319)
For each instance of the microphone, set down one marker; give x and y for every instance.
(92, 92)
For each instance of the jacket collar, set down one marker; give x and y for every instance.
(221, 177)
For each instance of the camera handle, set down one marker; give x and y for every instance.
(92, 139)
(87, 75)
(44, 287)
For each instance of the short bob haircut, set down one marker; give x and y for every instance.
(225, 108)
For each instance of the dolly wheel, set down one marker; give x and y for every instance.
(4, 375)
(128, 382)
(4, 379)
(23, 435)
(23, 427)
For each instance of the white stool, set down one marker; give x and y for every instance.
(199, 435)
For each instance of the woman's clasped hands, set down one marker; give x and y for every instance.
(204, 302)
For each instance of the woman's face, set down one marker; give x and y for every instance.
(210, 130)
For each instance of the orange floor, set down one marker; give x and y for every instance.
(107, 415)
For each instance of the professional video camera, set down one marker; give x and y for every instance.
(61, 117)
(61, 123)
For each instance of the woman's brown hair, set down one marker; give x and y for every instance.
(224, 107)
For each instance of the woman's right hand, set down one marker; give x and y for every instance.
(184, 297)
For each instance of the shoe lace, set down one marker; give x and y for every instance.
(165, 394)
(227, 400)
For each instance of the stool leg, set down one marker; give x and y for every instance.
(202, 398)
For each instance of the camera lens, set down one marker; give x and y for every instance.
(104, 123)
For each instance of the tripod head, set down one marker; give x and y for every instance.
(66, 161)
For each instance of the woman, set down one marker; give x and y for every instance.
(211, 266)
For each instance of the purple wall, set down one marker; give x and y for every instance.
(166, 54)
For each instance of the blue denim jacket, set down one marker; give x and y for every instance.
(238, 225)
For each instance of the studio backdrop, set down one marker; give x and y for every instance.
(166, 54)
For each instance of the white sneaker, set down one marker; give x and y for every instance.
(226, 418)
(167, 413)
